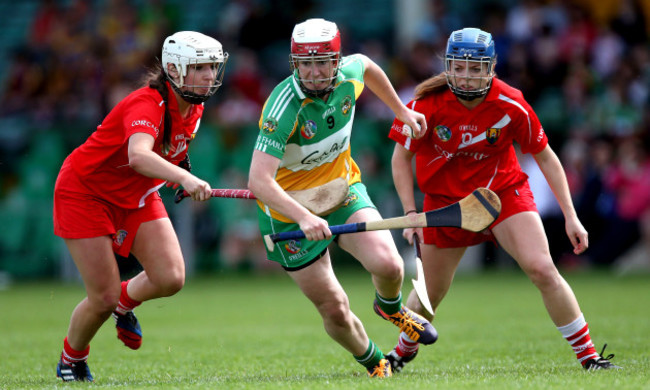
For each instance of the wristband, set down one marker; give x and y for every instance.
(410, 211)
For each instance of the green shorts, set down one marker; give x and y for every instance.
(296, 254)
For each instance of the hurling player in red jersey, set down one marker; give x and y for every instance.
(473, 119)
(106, 199)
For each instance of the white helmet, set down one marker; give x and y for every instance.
(316, 40)
(186, 48)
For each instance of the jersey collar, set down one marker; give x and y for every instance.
(296, 88)
(495, 91)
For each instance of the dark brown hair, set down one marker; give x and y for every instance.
(157, 79)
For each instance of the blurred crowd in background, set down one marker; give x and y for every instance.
(583, 65)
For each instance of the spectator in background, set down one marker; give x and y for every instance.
(629, 22)
(47, 17)
(38, 94)
(629, 180)
(637, 258)
(595, 204)
(106, 199)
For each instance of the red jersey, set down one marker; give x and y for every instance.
(102, 162)
(464, 149)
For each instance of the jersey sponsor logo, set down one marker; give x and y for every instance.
(475, 155)
(174, 150)
(444, 153)
(449, 155)
(308, 129)
(317, 156)
(346, 105)
(180, 148)
(119, 237)
(540, 136)
(293, 246)
(443, 132)
(309, 155)
(492, 135)
(269, 125)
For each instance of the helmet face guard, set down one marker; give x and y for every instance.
(472, 51)
(327, 64)
(315, 49)
(186, 50)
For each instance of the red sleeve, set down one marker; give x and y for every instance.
(144, 114)
(396, 129)
(531, 136)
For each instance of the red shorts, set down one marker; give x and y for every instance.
(514, 200)
(82, 215)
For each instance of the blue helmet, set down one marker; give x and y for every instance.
(471, 45)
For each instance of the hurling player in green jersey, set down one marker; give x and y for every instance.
(304, 142)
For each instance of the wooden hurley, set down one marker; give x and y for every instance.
(474, 213)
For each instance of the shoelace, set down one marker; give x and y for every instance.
(405, 321)
(379, 370)
(79, 368)
(130, 317)
(602, 354)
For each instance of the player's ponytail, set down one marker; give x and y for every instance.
(157, 80)
(434, 84)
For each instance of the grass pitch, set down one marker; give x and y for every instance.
(259, 332)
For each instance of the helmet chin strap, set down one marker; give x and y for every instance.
(191, 97)
(469, 96)
(316, 93)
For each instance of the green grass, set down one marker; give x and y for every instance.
(259, 332)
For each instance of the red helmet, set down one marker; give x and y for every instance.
(315, 36)
(316, 40)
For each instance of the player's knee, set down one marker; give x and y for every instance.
(543, 274)
(170, 284)
(105, 302)
(336, 312)
(175, 284)
(390, 267)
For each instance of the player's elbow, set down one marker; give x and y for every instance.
(255, 184)
(137, 161)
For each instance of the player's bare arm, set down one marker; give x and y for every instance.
(143, 160)
(375, 78)
(553, 171)
(261, 181)
(403, 180)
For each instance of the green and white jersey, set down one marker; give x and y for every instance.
(309, 135)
